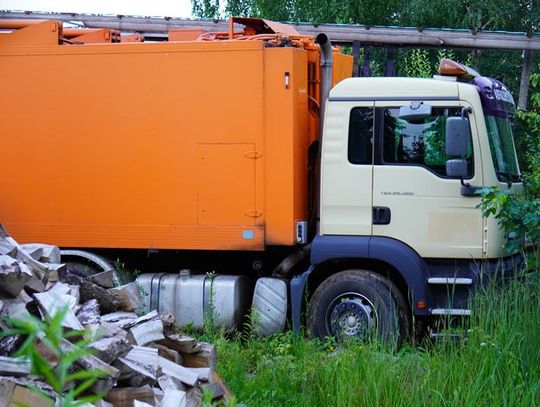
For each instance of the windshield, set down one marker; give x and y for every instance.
(501, 144)
(499, 110)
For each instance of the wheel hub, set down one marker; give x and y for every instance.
(351, 315)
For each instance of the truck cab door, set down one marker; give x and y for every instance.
(347, 169)
(418, 203)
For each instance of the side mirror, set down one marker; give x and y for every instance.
(415, 112)
(457, 136)
(456, 168)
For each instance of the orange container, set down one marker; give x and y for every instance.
(178, 145)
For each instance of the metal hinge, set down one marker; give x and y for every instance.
(253, 213)
(253, 155)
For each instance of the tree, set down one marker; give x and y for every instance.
(315, 11)
(477, 15)
(205, 8)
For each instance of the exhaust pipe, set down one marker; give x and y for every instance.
(326, 76)
(326, 83)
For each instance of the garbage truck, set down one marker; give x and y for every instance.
(246, 170)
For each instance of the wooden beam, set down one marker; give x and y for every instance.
(338, 33)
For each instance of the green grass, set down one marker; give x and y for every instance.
(497, 365)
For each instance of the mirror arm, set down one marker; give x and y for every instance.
(465, 110)
(467, 189)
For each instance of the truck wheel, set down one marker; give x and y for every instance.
(357, 304)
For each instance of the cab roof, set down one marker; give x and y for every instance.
(395, 88)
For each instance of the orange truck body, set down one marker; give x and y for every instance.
(172, 145)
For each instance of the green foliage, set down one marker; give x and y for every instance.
(518, 216)
(476, 15)
(211, 327)
(69, 384)
(208, 402)
(317, 11)
(522, 15)
(205, 8)
(528, 134)
(497, 364)
(238, 8)
(417, 64)
(123, 274)
(424, 63)
(445, 53)
(251, 326)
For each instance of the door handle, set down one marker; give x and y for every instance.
(381, 215)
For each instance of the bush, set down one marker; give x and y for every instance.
(518, 215)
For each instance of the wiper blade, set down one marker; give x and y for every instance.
(504, 174)
(510, 177)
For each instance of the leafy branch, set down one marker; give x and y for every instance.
(43, 344)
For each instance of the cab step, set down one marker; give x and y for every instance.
(450, 280)
(451, 311)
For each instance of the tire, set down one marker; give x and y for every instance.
(358, 304)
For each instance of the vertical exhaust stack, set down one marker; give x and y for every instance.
(326, 83)
(326, 76)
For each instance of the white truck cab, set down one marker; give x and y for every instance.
(401, 233)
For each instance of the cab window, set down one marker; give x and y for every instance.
(421, 143)
(360, 148)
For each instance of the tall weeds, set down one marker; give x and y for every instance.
(497, 364)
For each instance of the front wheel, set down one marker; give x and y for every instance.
(357, 304)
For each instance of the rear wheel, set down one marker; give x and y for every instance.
(358, 304)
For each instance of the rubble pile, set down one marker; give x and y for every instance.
(145, 359)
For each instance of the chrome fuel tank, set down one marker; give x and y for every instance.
(190, 297)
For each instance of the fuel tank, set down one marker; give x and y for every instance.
(192, 297)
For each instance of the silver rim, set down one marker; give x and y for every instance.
(350, 315)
